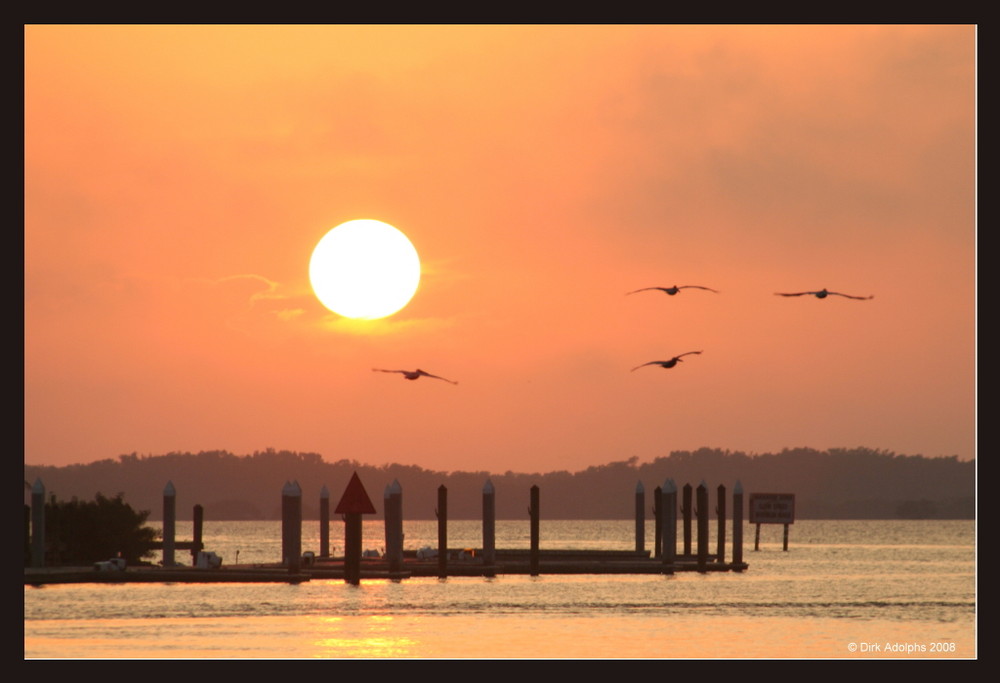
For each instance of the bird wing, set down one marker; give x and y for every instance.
(645, 289)
(792, 293)
(698, 287)
(652, 362)
(687, 354)
(381, 370)
(861, 298)
(427, 374)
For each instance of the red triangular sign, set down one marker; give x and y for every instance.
(355, 499)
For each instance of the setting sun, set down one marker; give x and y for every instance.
(364, 269)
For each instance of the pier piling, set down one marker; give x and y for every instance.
(669, 505)
(324, 522)
(353, 503)
(442, 517)
(702, 514)
(640, 518)
(291, 526)
(394, 526)
(533, 513)
(720, 511)
(295, 529)
(658, 521)
(352, 548)
(738, 525)
(198, 518)
(489, 526)
(686, 511)
(169, 523)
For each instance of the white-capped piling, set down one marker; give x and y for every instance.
(668, 504)
(324, 522)
(701, 511)
(738, 526)
(686, 511)
(394, 526)
(489, 524)
(37, 524)
(169, 523)
(640, 518)
(720, 512)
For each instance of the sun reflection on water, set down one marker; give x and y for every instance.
(371, 637)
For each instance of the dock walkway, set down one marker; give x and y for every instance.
(507, 562)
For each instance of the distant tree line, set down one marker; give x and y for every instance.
(855, 483)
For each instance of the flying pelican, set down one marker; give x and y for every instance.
(665, 363)
(823, 293)
(673, 290)
(414, 374)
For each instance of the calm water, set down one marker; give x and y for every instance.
(844, 589)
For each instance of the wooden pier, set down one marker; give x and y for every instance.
(507, 563)
(397, 564)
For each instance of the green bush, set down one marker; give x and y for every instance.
(80, 533)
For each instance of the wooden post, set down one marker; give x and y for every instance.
(352, 505)
(785, 543)
(669, 514)
(324, 522)
(640, 518)
(489, 526)
(197, 546)
(397, 497)
(291, 526)
(702, 513)
(686, 511)
(295, 529)
(442, 517)
(738, 526)
(387, 523)
(395, 530)
(286, 497)
(38, 524)
(533, 512)
(756, 540)
(169, 523)
(352, 548)
(720, 511)
(657, 521)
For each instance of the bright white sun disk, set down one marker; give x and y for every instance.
(364, 269)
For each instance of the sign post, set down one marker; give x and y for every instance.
(772, 508)
(354, 503)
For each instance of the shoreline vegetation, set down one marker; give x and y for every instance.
(857, 483)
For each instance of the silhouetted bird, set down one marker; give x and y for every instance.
(823, 293)
(414, 374)
(673, 290)
(665, 363)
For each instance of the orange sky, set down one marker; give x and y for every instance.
(178, 177)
